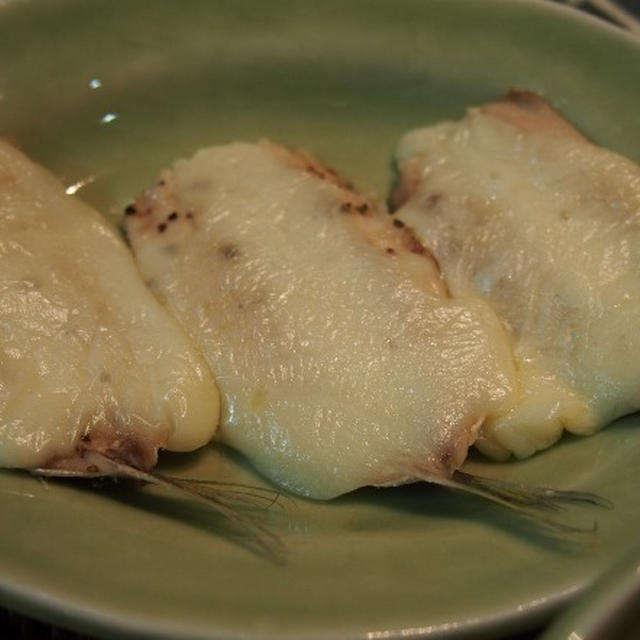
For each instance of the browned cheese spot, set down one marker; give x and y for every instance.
(345, 207)
(446, 457)
(229, 251)
(530, 114)
(433, 200)
(354, 204)
(301, 159)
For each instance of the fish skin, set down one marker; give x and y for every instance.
(341, 357)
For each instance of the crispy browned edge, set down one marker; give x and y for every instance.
(529, 112)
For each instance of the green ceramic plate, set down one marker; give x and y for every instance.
(608, 610)
(106, 93)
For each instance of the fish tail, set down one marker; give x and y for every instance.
(230, 502)
(544, 505)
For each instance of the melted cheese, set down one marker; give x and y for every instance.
(85, 349)
(341, 358)
(523, 211)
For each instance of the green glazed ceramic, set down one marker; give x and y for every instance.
(608, 610)
(107, 93)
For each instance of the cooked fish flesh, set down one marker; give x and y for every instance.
(521, 210)
(90, 363)
(341, 357)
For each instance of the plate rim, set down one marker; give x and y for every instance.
(56, 610)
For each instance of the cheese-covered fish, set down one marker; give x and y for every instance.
(341, 357)
(521, 210)
(95, 376)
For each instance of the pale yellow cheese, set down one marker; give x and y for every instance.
(85, 349)
(341, 358)
(522, 211)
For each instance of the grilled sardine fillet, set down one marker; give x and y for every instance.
(89, 361)
(341, 358)
(523, 211)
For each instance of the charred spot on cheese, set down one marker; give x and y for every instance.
(530, 114)
(414, 245)
(361, 207)
(229, 250)
(351, 201)
(434, 199)
(302, 159)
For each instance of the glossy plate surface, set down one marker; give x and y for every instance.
(106, 94)
(608, 610)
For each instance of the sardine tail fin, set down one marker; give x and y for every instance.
(544, 505)
(228, 501)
